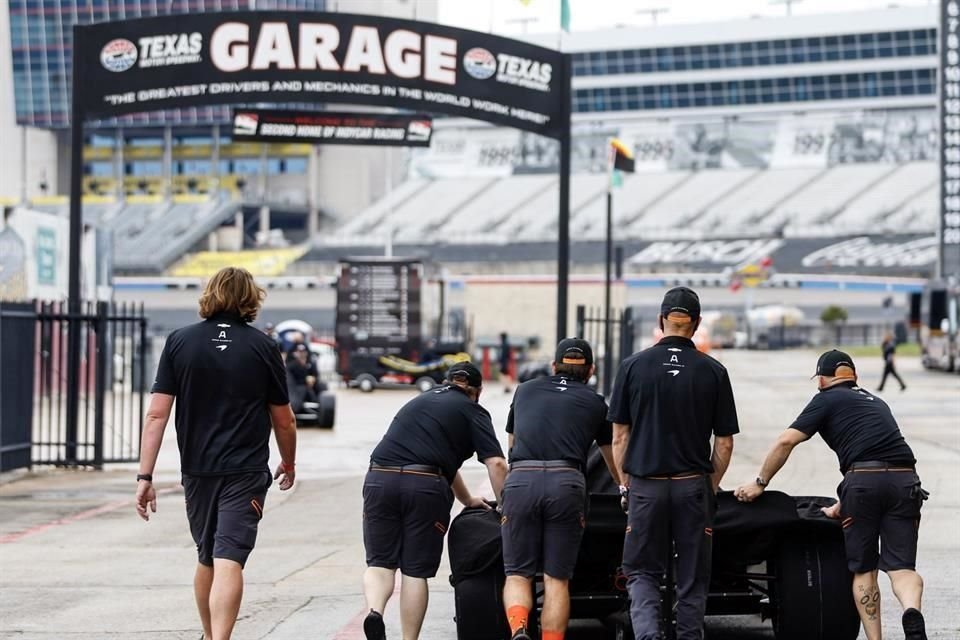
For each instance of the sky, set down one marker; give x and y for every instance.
(513, 17)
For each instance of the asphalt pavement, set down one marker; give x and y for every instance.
(76, 562)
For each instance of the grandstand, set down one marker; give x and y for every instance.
(808, 127)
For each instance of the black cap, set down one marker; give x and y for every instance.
(829, 361)
(681, 300)
(466, 372)
(574, 351)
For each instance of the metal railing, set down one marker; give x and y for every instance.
(97, 420)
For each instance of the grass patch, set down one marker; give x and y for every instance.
(906, 350)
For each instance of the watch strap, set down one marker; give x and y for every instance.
(145, 476)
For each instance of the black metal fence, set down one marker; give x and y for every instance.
(94, 421)
(611, 345)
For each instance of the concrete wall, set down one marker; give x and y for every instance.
(41, 146)
(528, 308)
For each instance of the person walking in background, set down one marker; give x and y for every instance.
(506, 360)
(230, 385)
(889, 368)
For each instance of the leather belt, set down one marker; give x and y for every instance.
(677, 476)
(879, 465)
(533, 465)
(415, 469)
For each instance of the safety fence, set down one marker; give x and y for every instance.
(87, 415)
(613, 339)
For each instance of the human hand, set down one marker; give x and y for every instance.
(311, 381)
(476, 502)
(748, 492)
(833, 511)
(287, 474)
(146, 496)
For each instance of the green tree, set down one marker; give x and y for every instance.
(834, 314)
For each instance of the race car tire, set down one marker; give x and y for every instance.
(326, 413)
(479, 607)
(366, 382)
(425, 383)
(811, 595)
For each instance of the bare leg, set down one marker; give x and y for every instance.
(225, 596)
(202, 581)
(518, 601)
(414, 596)
(556, 606)
(866, 593)
(378, 585)
(908, 587)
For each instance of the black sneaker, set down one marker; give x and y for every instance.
(913, 626)
(373, 627)
(521, 634)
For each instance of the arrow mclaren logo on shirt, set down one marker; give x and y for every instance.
(674, 372)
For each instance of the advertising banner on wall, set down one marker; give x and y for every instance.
(33, 257)
(276, 57)
(950, 138)
(819, 140)
(327, 127)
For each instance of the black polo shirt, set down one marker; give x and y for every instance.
(440, 428)
(557, 418)
(673, 398)
(856, 424)
(225, 375)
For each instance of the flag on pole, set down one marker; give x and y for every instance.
(621, 159)
(622, 156)
(565, 15)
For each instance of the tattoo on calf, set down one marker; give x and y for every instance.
(870, 601)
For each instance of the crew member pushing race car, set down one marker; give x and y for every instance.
(880, 496)
(553, 421)
(409, 490)
(666, 403)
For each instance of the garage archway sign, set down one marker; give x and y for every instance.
(189, 60)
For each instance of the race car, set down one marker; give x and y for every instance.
(779, 557)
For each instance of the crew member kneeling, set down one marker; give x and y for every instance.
(409, 490)
(552, 423)
(880, 496)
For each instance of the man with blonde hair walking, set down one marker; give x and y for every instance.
(230, 385)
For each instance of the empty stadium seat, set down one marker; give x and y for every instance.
(754, 199)
(690, 199)
(825, 196)
(889, 195)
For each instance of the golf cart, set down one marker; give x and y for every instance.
(779, 557)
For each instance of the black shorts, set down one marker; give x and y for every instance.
(885, 506)
(405, 516)
(543, 520)
(224, 513)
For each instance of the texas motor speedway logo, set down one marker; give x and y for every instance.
(118, 55)
(522, 72)
(154, 51)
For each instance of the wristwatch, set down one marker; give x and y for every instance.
(145, 476)
(624, 490)
(761, 482)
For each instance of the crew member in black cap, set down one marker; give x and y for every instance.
(667, 402)
(880, 496)
(409, 490)
(553, 421)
